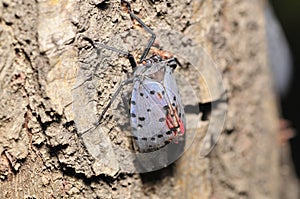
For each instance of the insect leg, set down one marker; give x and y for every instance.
(128, 55)
(153, 36)
(125, 82)
(173, 62)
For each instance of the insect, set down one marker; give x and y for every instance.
(156, 111)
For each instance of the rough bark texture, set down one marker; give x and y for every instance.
(42, 64)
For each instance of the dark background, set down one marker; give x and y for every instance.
(288, 14)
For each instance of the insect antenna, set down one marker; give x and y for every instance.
(153, 36)
(128, 55)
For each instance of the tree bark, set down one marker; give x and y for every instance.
(54, 85)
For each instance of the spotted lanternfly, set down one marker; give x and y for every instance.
(156, 111)
(157, 115)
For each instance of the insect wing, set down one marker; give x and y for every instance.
(147, 115)
(149, 109)
(174, 98)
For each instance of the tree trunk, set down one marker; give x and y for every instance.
(54, 84)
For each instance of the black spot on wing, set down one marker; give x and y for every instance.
(152, 92)
(142, 118)
(161, 119)
(133, 102)
(136, 138)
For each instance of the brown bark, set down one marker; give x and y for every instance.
(44, 66)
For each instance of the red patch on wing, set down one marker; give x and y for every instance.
(174, 122)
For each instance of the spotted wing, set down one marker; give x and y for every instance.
(174, 96)
(150, 107)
